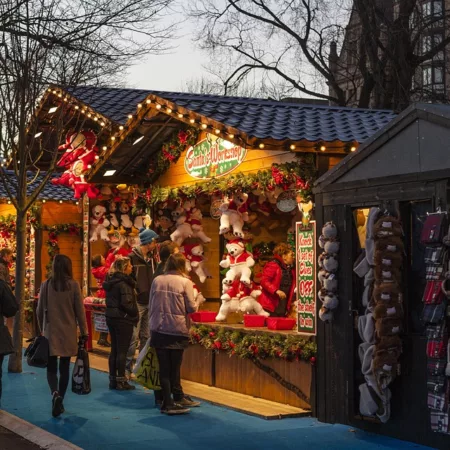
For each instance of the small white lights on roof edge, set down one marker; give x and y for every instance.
(102, 124)
(130, 116)
(231, 136)
(322, 148)
(139, 105)
(261, 145)
(353, 148)
(169, 110)
(292, 147)
(121, 127)
(204, 126)
(158, 106)
(180, 116)
(105, 148)
(148, 101)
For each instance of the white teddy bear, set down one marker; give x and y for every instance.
(195, 261)
(234, 213)
(99, 224)
(239, 261)
(194, 219)
(198, 296)
(239, 297)
(183, 229)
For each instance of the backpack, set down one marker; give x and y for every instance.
(8, 302)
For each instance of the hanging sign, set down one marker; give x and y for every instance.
(213, 157)
(306, 277)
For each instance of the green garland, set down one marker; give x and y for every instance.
(297, 175)
(170, 152)
(250, 345)
(53, 249)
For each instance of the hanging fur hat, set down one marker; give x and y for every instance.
(388, 259)
(322, 294)
(385, 274)
(388, 327)
(391, 244)
(331, 301)
(387, 226)
(330, 262)
(331, 246)
(322, 274)
(390, 344)
(325, 315)
(393, 310)
(383, 292)
(330, 282)
(329, 230)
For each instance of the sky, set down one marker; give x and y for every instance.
(170, 71)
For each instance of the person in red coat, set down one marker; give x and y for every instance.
(278, 282)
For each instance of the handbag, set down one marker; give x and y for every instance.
(81, 375)
(38, 351)
(6, 344)
(436, 384)
(434, 228)
(434, 272)
(147, 368)
(439, 421)
(433, 294)
(436, 366)
(434, 313)
(435, 255)
(436, 401)
(436, 348)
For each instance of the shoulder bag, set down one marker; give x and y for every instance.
(38, 351)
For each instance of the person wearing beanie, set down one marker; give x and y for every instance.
(144, 259)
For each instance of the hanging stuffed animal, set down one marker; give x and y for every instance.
(195, 261)
(234, 213)
(164, 223)
(112, 214)
(183, 229)
(239, 261)
(195, 220)
(125, 221)
(198, 296)
(99, 224)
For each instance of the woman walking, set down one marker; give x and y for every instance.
(121, 317)
(171, 300)
(59, 309)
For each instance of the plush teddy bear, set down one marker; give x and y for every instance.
(392, 310)
(125, 221)
(234, 213)
(387, 226)
(386, 292)
(141, 221)
(99, 224)
(388, 327)
(240, 297)
(164, 222)
(112, 214)
(198, 296)
(330, 282)
(194, 219)
(330, 301)
(325, 315)
(330, 262)
(239, 261)
(183, 229)
(195, 261)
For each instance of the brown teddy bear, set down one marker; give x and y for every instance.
(385, 292)
(391, 244)
(390, 344)
(387, 226)
(388, 259)
(388, 274)
(388, 327)
(393, 310)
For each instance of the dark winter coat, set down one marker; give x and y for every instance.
(143, 270)
(270, 284)
(59, 319)
(121, 298)
(4, 271)
(4, 347)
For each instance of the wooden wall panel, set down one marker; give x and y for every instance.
(55, 213)
(197, 364)
(6, 210)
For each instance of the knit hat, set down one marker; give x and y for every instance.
(147, 236)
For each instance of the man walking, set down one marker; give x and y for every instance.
(144, 261)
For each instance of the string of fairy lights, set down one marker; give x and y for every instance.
(117, 133)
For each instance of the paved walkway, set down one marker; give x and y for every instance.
(113, 420)
(11, 441)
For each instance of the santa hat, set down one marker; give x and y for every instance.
(74, 140)
(187, 249)
(237, 242)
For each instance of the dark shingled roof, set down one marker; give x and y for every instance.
(259, 118)
(50, 191)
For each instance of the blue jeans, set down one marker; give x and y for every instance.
(141, 334)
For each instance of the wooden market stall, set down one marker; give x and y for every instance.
(403, 173)
(159, 151)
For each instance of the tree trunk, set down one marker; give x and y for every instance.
(15, 360)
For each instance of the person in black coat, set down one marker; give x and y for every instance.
(121, 317)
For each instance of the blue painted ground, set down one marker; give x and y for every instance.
(114, 420)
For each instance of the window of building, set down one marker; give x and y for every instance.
(432, 8)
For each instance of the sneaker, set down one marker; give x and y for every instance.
(103, 343)
(174, 410)
(187, 402)
(124, 386)
(57, 405)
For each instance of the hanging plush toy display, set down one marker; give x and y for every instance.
(99, 224)
(195, 261)
(183, 229)
(239, 262)
(234, 213)
(194, 219)
(328, 266)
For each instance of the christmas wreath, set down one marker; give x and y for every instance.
(249, 345)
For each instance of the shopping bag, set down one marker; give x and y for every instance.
(147, 368)
(37, 352)
(81, 376)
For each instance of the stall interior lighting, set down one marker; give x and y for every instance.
(38, 134)
(52, 110)
(109, 173)
(138, 140)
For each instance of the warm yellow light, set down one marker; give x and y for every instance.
(52, 110)
(89, 115)
(158, 106)
(105, 148)
(89, 166)
(83, 111)
(43, 201)
(148, 101)
(204, 126)
(231, 136)
(60, 201)
(121, 127)
(54, 92)
(353, 149)
(77, 203)
(192, 120)
(102, 124)
(139, 105)
(97, 157)
(217, 131)
(323, 148)
(65, 99)
(60, 95)
(261, 145)
(77, 107)
(113, 138)
(95, 119)
(9, 202)
(130, 116)
(49, 89)
(292, 147)
(180, 116)
(169, 110)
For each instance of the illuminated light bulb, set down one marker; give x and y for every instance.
(148, 101)
(43, 201)
(52, 110)
(353, 149)
(9, 202)
(121, 127)
(292, 147)
(77, 107)
(261, 145)
(95, 119)
(169, 110)
(77, 203)
(180, 116)
(204, 126)
(231, 136)
(192, 120)
(60, 201)
(102, 124)
(38, 134)
(158, 106)
(113, 138)
(89, 166)
(89, 115)
(105, 148)
(97, 157)
(59, 95)
(217, 131)
(130, 116)
(65, 99)
(54, 92)
(83, 111)
(323, 148)
(49, 89)
(139, 105)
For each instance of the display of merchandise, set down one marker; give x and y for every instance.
(328, 264)
(434, 315)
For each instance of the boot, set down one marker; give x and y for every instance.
(123, 385)
(112, 382)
